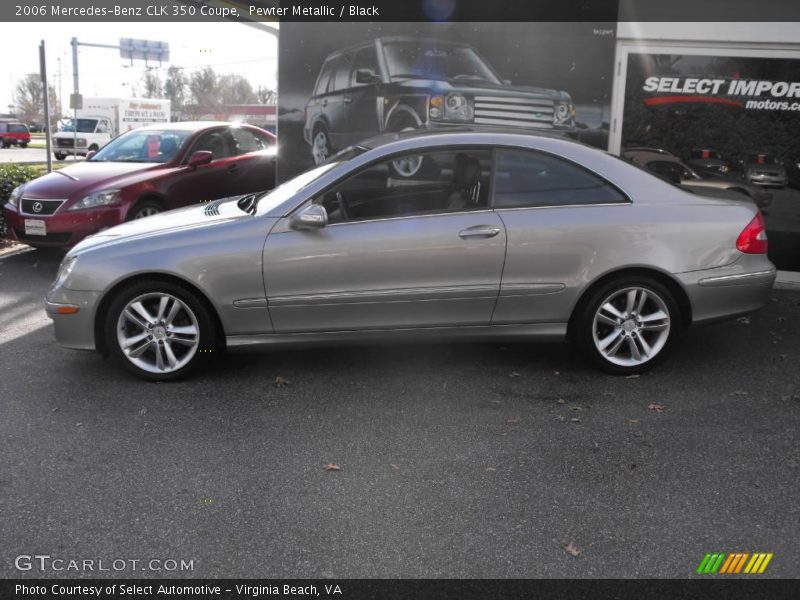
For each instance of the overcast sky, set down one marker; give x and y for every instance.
(227, 47)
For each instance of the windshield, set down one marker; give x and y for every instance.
(288, 189)
(84, 125)
(153, 146)
(762, 159)
(429, 60)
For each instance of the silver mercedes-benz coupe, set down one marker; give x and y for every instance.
(438, 235)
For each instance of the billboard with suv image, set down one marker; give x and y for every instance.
(341, 83)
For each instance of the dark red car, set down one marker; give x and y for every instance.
(14, 134)
(141, 173)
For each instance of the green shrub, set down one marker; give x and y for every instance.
(11, 176)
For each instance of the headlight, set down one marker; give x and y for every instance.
(96, 199)
(563, 112)
(64, 270)
(15, 195)
(453, 107)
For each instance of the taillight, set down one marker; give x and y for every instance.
(753, 239)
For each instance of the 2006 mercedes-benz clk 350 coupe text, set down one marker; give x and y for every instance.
(496, 235)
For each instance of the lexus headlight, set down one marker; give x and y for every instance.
(96, 199)
(563, 113)
(64, 270)
(15, 195)
(453, 107)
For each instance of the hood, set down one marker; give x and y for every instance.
(78, 178)
(477, 88)
(182, 219)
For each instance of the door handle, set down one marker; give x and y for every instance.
(325, 102)
(347, 99)
(479, 231)
(233, 168)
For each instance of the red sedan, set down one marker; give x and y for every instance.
(141, 173)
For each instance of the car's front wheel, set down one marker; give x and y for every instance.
(627, 325)
(159, 330)
(144, 208)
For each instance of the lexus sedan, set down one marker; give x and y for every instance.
(141, 173)
(505, 236)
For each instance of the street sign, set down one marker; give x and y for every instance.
(143, 50)
(76, 101)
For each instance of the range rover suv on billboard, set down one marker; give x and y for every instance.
(403, 83)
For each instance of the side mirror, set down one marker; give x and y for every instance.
(367, 76)
(506, 82)
(313, 216)
(201, 157)
(90, 154)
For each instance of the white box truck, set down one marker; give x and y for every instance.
(102, 119)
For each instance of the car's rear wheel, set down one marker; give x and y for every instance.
(144, 208)
(159, 330)
(321, 148)
(628, 324)
(23, 144)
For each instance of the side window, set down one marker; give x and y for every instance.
(3, 127)
(212, 141)
(324, 77)
(103, 127)
(670, 171)
(341, 76)
(527, 178)
(413, 184)
(243, 141)
(364, 59)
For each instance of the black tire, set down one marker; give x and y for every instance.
(59, 155)
(325, 150)
(584, 325)
(144, 208)
(23, 144)
(6, 145)
(92, 148)
(208, 334)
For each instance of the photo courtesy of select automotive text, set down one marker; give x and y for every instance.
(344, 82)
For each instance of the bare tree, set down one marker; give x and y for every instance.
(29, 99)
(235, 89)
(203, 87)
(151, 83)
(175, 88)
(264, 95)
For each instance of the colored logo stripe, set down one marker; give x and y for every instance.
(734, 563)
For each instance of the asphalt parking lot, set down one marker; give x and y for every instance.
(478, 460)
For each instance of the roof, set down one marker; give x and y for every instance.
(188, 125)
(389, 39)
(470, 135)
(646, 156)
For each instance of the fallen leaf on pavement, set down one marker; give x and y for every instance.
(491, 468)
(394, 466)
(332, 467)
(656, 407)
(572, 549)
(634, 376)
(514, 374)
(743, 320)
(514, 420)
(281, 382)
(575, 420)
(634, 421)
(561, 401)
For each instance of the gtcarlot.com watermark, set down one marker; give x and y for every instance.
(55, 564)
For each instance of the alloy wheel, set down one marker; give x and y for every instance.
(146, 211)
(631, 326)
(158, 333)
(320, 149)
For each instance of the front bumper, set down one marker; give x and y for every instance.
(727, 292)
(74, 330)
(64, 228)
(776, 180)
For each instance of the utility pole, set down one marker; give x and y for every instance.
(75, 99)
(43, 74)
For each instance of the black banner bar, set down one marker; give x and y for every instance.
(399, 10)
(388, 589)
